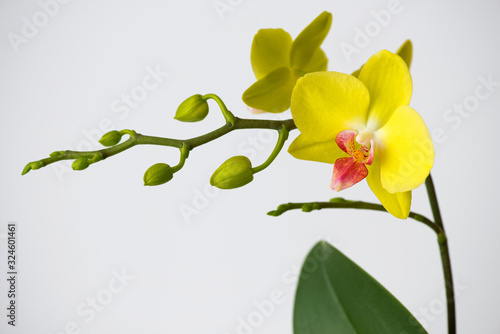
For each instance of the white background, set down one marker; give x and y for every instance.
(203, 272)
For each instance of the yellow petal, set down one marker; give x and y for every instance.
(356, 73)
(405, 149)
(307, 149)
(309, 40)
(273, 92)
(318, 62)
(326, 103)
(405, 51)
(397, 204)
(270, 50)
(388, 80)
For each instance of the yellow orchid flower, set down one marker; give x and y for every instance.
(365, 127)
(278, 62)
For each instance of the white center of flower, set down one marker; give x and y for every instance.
(365, 137)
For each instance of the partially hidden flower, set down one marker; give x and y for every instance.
(405, 51)
(365, 127)
(278, 62)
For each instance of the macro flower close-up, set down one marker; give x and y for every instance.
(368, 119)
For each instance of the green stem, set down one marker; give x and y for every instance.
(228, 116)
(139, 139)
(445, 255)
(184, 155)
(340, 203)
(283, 136)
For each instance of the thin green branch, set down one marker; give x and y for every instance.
(228, 116)
(445, 255)
(139, 139)
(283, 136)
(340, 203)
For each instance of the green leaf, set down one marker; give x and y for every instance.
(270, 50)
(405, 51)
(273, 92)
(334, 295)
(309, 40)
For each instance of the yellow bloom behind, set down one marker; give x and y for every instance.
(278, 62)
(391, 145)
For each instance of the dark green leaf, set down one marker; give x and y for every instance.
(334, 295)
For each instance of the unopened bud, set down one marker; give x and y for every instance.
(26, 169)
(234, 173)
(157, 174)
(193, 109)
(80, 164)
(36, 165)
(111, 138)
(307, 207)
(338, 200)
(56, 153)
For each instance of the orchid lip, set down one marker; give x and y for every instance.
(365, 137)
(350, 170)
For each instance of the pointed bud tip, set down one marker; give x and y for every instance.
(80, 164)
(233, 173)
(158, 174)
(26, 169)
(338, 200)
(193, 109)
(110, 138)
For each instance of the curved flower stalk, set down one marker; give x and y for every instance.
(278, 62)
(366, 129)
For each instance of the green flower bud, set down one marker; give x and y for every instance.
(274, 213)
(111, 138)
(26, 169)
(193, 109)
(234, 173)
(307, 207)
(96, 158)
(56, 153)
(36, 165)
(338, 200)
(80, 164)
(157, 174)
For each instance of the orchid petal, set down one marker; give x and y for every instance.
(346, 173)
(270, 50)
(388, 80)
(406, 151)
(398, 204)
(309, 40)
(405, 51)
(326, 103)
(369, 159)
(356, 73)
(346, 140)
(306, 149)
(318, 62)
(273, 92)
